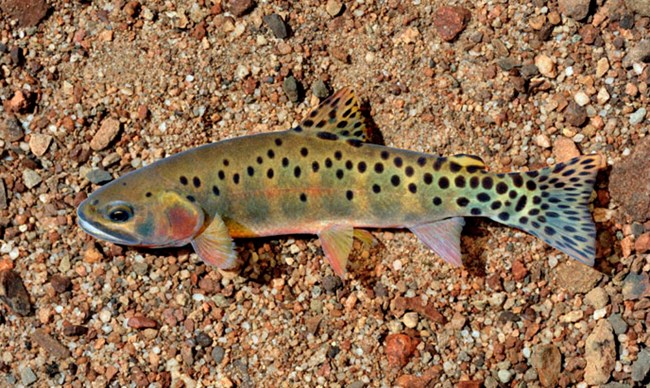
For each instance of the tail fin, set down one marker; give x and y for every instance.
(555, 206)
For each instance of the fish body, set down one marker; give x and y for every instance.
(323, 178)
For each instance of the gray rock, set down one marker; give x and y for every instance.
(636, 286)
(203, 339)
(507, 64)
(31, 178)
(638, 116)
(217, 354)
(504, 376)
(11, 130)
(575, 114)
(3, 195)
(618, 324)
(641, 366)
(277, 25)
(27, 376)
(639, 53)
(99, 176)
(332, 283)
(320, 89)
(291, 88)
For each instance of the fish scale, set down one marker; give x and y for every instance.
(323, 178)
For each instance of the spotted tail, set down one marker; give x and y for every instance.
(552, 204)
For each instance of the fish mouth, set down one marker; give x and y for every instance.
(110, 236)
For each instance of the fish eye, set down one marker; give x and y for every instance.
(120, 212)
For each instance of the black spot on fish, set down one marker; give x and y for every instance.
(413, 188)
(474, 182)
(297, 171)
(304, 151)
(345, 133)
(349, 101)
(148, 194)
(183, 180)
(523, 220)
(462, 201)
(215, 190)
(504, 216)
(428, 178)
(459, 181)
(321, 124)
(475, 211)
(315, 166)
(559, 185)
(379, 168)
(278, 142)
(269, 173)
(376, 189)
(349, 165)
(190, 198)
(349, 195)
(437, 164)
(530, 185)
(250, 171)
(395, 180)
(437, 201)
(533, 212)
(454, 167)
(517, 180)
(342, 124)
(355, 142)
(483, 197)
(226, 162)
(303, 197)
(235, 178)
(358, 133)
(260, 160)
(501, 188)
(328, 162)
(339, 173)
(487, 183)
(384, 155)
(347, 113)
(512, 194)
(298, 129)
(221, 174)
(332, 115)
(338, 155)
(422, 161)
(409, 171)
(285, 162)
(327, 136)
(496, 205)
(537, 200)
(521, 203)
(308, 122)
(362, 167)
(398, 161)
(270, 154)
(196, 182)
(443, 182)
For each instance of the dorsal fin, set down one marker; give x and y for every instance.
(468, 160)
(338, 115)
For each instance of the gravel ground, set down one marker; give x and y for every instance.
(92, 90)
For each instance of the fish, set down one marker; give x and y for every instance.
(324, 177)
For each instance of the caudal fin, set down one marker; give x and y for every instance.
(554, 206)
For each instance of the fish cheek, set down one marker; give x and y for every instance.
(184, 222)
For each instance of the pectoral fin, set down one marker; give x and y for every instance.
(443, 237)
(215, 246)
(336, 241)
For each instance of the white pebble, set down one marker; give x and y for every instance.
(105, 315)
(397, 265)
(581, 98)
(569, 71)
(600, 313)
(504, 375)
(638, 116)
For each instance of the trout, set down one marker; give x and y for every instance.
(323, 177)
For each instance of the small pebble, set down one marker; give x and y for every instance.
(277, 25)
(504, 376)
(31, 178)
(99, 176)
(333, 7)
(638, 116)
(106, 134)
(27, 376)
(410, 320)
(319, 89)
(581, 98)
(291, 89)
(217, 354)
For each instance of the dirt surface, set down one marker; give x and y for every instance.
(92, 90)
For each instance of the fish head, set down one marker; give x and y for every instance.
(130, 215)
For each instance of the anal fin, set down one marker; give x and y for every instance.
(336, 241)
(215, 246)
(443, 237)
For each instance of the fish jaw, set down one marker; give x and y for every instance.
(115, 237)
